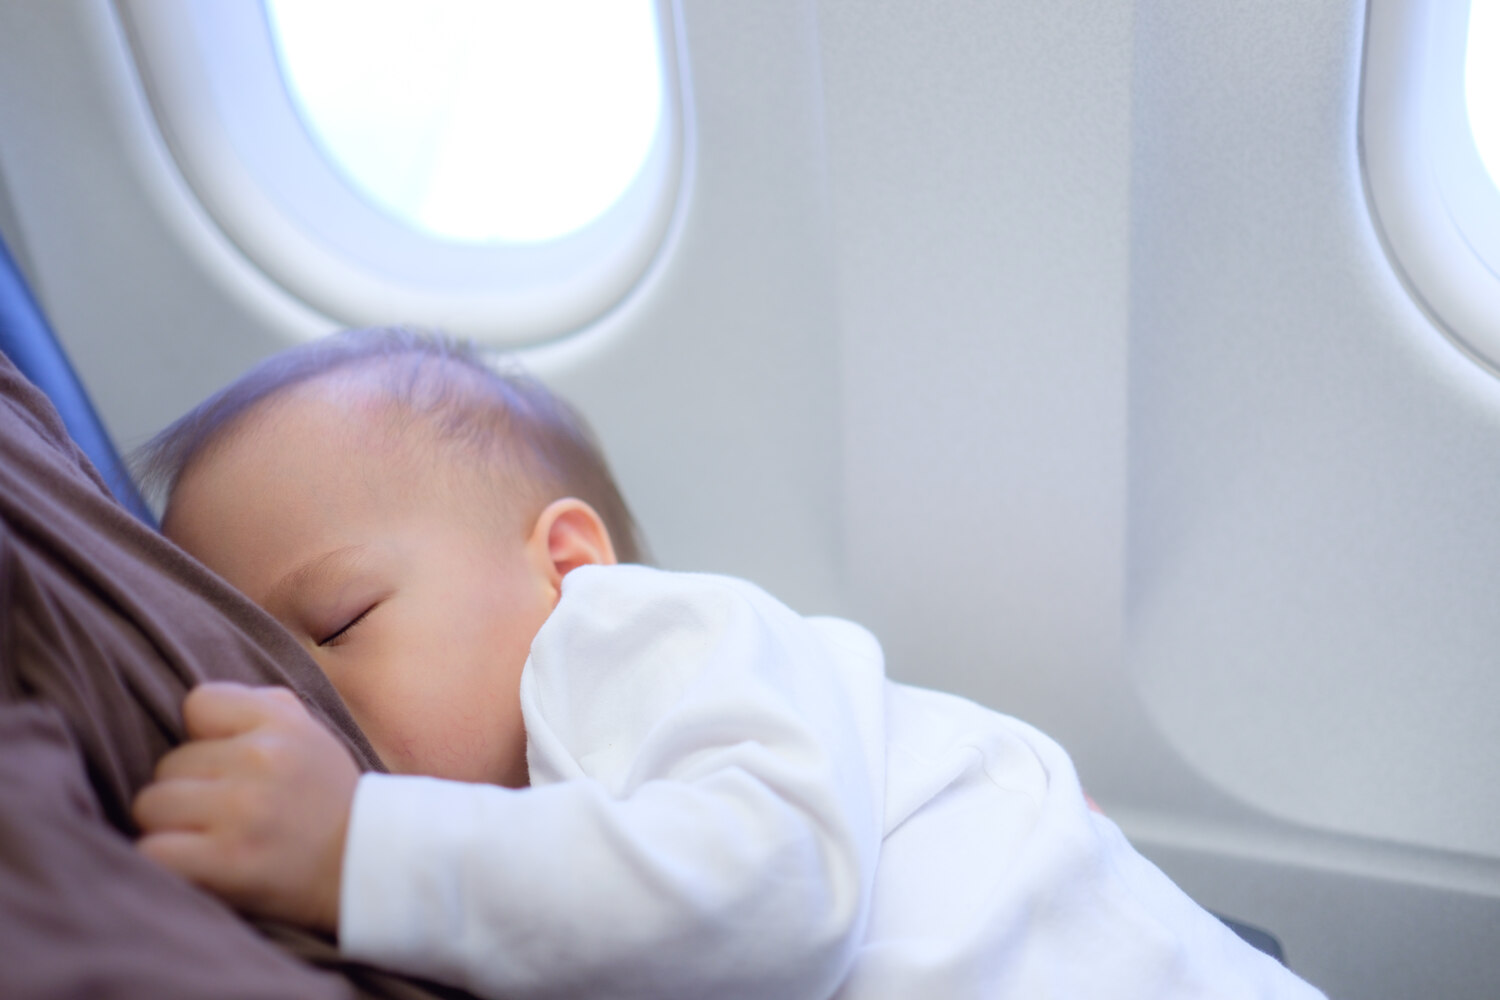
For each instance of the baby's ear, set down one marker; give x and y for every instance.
(571, 534)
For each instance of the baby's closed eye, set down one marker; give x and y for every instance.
(340, 632)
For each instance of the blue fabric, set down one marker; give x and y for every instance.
(26, 338)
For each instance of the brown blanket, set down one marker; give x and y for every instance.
(104, 625)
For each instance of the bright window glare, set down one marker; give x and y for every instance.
(478, 120)
(1482, 82)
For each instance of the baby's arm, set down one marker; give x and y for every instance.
(705, 823)
(704, 819)
(254, 808)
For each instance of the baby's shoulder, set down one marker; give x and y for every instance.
(934, 733)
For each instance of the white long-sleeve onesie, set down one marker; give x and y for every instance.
(730, 800)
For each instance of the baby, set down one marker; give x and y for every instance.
(608, 780)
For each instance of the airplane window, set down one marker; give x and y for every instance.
(477, 120)
(1482, 81)
(506, 171)
(1430, 143)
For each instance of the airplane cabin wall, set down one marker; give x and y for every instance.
(1054, 342)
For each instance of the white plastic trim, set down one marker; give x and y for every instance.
(210, 72)
(1437, 210)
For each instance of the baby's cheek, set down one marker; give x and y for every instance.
(393, 748)
(458, 745)
(394, 745)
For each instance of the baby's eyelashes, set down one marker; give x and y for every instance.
(337, 637)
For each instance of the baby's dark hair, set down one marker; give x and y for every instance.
(430, 376)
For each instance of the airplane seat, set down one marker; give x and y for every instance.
(27, 339)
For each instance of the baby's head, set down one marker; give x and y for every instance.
(408, 514)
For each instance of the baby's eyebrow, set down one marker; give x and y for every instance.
(285, 590)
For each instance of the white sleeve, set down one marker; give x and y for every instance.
(704, 816)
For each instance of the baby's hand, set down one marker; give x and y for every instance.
(254, 808)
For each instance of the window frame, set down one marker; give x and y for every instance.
(1434, 205)
(211, 74)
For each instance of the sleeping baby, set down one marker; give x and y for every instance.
(608, 780)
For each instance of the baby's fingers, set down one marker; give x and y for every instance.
(224, 709)
(184, 833)
(199, 759)
(181, 805)
(184, 852)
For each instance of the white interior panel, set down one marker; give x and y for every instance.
(1313, 566)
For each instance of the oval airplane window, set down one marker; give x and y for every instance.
(505, 171)
(507, 122)
(1482, 82)
(1426, 110)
